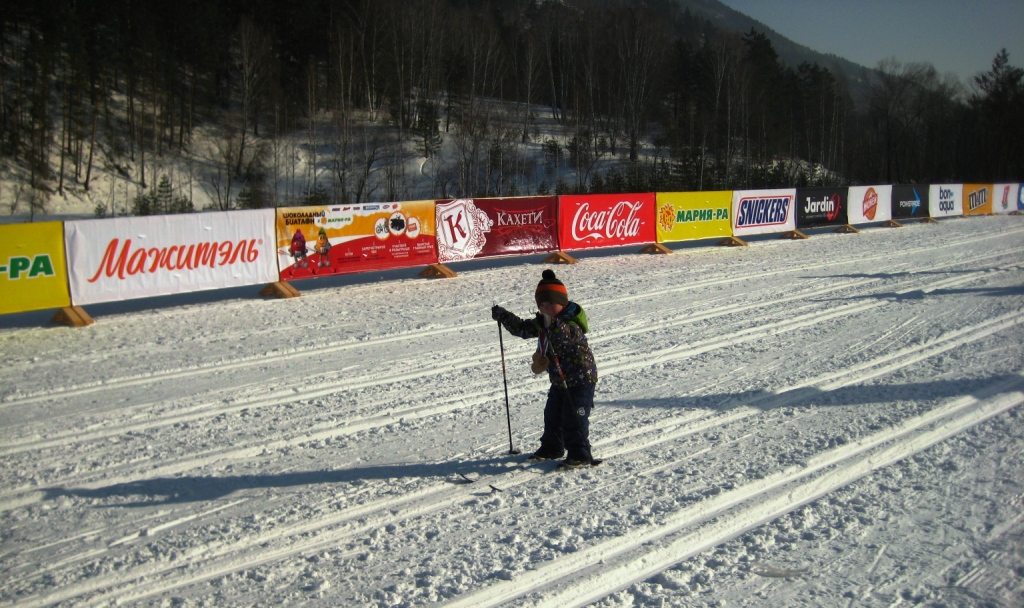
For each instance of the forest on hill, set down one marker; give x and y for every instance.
(270, 103)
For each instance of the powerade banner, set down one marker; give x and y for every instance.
(946, 200)
(909, 202)
(694, 215)
(323, 241)
(820, 207)
(32, 271)
(977, 199)
(867, 204)
(492, 227)
(605, 220)
(138, 257)
(1005, 197)
(763, 211)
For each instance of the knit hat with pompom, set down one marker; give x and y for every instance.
(550, 289)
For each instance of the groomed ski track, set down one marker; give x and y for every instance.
(681, 347)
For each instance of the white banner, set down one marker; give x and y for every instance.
(946, 200)
(1005, 197)
(138, 257)
(763, 211)
(866, 204)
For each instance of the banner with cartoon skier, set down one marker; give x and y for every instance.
(946, 200)
(606, 220)
(910, 202)
(977, 199)
(1005, 200)
(866, 204)
(33, 275)
(693, 215)
(493, 227)
(137, 257)
(763, 211)
(337, 239)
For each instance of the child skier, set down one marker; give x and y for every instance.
(562, 350)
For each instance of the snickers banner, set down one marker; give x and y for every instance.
(763, 211)
(493, 227)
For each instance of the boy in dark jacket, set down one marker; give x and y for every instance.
(563, 351)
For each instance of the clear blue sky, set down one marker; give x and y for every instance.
(958, 36)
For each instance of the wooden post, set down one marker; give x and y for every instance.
(280, 289)
(560, 257)
(656, 248)
(793, 235)
(438, 270)
(731, 241)
(891, 224)
(847, 229)
(72, 316)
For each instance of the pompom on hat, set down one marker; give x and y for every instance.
(550, 289)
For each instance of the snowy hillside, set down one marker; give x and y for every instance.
(831, 422)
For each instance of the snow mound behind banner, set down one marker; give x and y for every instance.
(832, 422)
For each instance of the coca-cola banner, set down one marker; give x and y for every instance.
(1006, 196)
(977, 199)
(946, 200)
(868, 204)
(491, 227)
(694, 215)
(909, 202)
(820, 207)
(605, 220)
(323, 241)
(763, 211)
(138, 257)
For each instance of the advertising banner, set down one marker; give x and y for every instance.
(1020, 197)
(910, 202)
(1005, 197)
(763, 211)
(339, 239)
(492, 227)
(33, 275)
(605, 220)
(977, 199)
(694, 215)
(866, 204)
(946, 200)
(138, 257)
(820, 207)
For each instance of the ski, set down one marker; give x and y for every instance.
(563, 466)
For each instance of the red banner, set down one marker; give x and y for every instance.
(606, 220)
(482, 228)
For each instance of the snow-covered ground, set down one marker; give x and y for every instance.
(830, 422)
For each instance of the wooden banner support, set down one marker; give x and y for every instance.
(438, 271)
(731, 241)
(655, 248)
(929, 220)
(1018, 212)
(280, 289)
(72, 316)
(793, 235)
(560, 257)
(847, 229)
(891, 224)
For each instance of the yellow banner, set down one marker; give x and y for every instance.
(686, 216)
(33, 275)
(977, 199)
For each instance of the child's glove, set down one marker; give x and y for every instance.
(497, 312)
(540, 363)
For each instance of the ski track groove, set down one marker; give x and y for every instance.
(374, 514)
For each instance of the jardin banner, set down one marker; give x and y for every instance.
(138, 257)
(32, 271)
(1005, 199)
(977, 199)
(694, 215)
(605, 220)
(910, 202)
(946, 200)
(820, 207)
(763, 211)
(869, 204)
(492, 227)
(322, 241)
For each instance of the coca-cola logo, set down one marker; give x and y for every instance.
(149, 260)
(619, 222)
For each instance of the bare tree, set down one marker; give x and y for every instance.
(253, 65)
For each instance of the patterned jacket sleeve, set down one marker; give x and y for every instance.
(523, 328)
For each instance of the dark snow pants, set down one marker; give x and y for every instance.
(567, 421)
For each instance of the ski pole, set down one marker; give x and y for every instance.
(504, 375)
